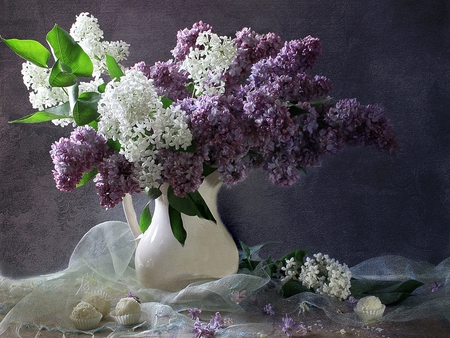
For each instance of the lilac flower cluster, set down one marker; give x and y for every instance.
(219, 134)
(82, 151)
(207, 330)
(187, 38)
(169, 81)
(85, 150)
(251, 47)
(115, 178)
(290, 328)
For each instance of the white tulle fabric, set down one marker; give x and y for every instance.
(102, 262)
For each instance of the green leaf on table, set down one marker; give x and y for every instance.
(247, 252)
(176, 223)
(114, 70)
(246, 260)
(298, 255)
(30, 50)
(293, 287)
(54, 113)
(69, 52)
(87, 177)
(389, 292)
(61, 76)
(85, 109)
(145, 219)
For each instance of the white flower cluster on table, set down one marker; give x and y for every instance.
(322, 274)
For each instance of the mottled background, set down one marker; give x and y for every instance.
(359, 204)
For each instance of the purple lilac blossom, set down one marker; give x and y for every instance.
(169, 81)
(203, 330)
(219, 134)
(251, 47)
(289, 327)
(115, 178)
(268, 310)
(194, 313)
(365, 125)
(181, 170)
(436, 286)
(238, 296)
(130, 295)
(187, 38)
(81, 152)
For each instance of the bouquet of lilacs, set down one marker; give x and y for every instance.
(222, 103)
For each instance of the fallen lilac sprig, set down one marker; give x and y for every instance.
(436, 286)
(289, 327)
(207, 330)
(268, 310)
(136, 298)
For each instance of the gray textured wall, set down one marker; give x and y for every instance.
(358, 205)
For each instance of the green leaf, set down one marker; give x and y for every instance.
(176, 223)
(207, 170)
(101, 88)
(389, 292)
(201, 205)
(245, 256)
(85, 110)
(295, 110)
(299, 256)
(53, 113)
(293, 287)
(153, 193)
(318, 103)
(115, 72)
(61, 76)
(30, 50)
(113, 144)
(166, 102)
(145, 219)
(192, 205)
(248, 252)
(87, 177)
(67, 51)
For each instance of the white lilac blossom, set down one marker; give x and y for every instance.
(133, 114)
(290, 270)
(326, 276)
(86, 31)
(207, 62)
(42, 95)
